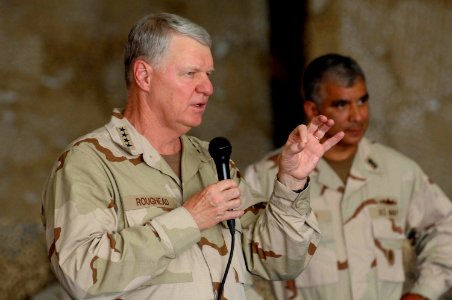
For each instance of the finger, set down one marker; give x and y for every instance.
(297, 139)
(230, 195)
(233, 214)
(299, 133)
(233, 204)
(294, 148)
(225, 184)
(303, 134)
(323, 128)
(316, 123)
(333, 141)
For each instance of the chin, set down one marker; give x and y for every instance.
(352, 140)
(195, 124)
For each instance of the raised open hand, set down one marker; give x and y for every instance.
(303, 150)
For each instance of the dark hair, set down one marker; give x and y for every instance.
(342, 69)
(150, 36)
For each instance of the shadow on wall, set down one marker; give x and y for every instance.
(24, 265)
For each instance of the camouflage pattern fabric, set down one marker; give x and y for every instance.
(364, 224)
(116, 227)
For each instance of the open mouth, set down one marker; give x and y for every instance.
(200, 105)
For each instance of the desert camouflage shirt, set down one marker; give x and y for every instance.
(116, 227)
(387, 200)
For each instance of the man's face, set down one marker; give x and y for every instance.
(180, 87)
(348, 107)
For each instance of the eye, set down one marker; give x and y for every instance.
(340, 104)
(363, 100)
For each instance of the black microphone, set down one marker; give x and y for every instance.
(220, 149)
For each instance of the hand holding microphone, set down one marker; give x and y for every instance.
(220, 149)
(217, 202)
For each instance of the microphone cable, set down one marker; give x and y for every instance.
(220, 149)
(231, 253)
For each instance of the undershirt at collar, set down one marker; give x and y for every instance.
(173, 161)
(341, 167)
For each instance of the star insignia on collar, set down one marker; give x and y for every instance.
(125, 137)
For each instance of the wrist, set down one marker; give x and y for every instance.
(293, 184)
(304, 187)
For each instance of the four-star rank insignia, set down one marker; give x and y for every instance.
(125, 137)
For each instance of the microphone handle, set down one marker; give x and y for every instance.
(224, 173)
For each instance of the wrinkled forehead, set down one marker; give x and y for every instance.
(341, 79)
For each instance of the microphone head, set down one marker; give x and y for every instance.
(220, 147)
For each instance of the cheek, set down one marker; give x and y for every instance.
(366, 114)
(335, 129)
(339, 117)
(340, 122)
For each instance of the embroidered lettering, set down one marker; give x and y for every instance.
(393, 213)
(143, 201)
(385, 208)
(146, 201)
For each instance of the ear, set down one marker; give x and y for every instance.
(142, 73)
(310, 109)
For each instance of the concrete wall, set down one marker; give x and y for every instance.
(61, 70)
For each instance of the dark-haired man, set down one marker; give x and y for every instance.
(368, 199)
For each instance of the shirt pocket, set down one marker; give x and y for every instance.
(388, 241)
(139, 217)
(143, 208)
(323, 267)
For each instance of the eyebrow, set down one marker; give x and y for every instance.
(196, 70)
(363, 97)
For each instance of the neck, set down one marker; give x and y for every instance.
(164, 139)
(340, 152)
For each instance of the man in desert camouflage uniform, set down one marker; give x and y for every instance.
(134, 209)
(368, 200)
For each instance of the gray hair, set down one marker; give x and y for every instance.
(341, 69)
(149, 38)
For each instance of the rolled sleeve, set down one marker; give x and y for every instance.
(286, 199)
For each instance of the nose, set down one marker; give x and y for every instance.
(205, 86)
(356, 113)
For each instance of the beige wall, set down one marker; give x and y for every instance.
(61, 70)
